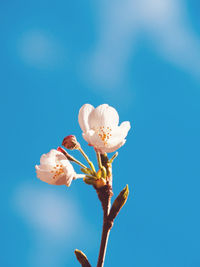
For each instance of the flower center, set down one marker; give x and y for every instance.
(57, 170)
(104, 133)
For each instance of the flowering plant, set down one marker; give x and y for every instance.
(101, 131)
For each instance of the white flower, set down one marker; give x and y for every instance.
(100, 127)
(55, 169)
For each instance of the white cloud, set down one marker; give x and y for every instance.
(39, 49)
(55, 221)
(47, 211)
(168, 25)
(121, 23)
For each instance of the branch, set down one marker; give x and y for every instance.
(104, 194)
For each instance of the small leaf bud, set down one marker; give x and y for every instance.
(81, 257)
(119, 203)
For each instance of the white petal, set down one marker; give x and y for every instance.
(61, 180)
(49, 158)
(60, 157)
(119, 133)
(68, 168)
(83, 115)
(93, 138)
(45, 167)
(86, 137)
(125, 127)
(69, 178)
(103, 115)
(43, 175)
(70, 174)
(118, 137)
(112, 148)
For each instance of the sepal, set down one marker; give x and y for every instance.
(87, 171)
(89, 180)
(97, 183)
(113, 157)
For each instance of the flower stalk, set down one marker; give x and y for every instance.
(87, 159)
(70, 158)
(99, 160)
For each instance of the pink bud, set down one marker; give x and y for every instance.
(70, 142)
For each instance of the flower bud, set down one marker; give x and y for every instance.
(70, 142)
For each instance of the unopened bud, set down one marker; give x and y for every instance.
(70, 142)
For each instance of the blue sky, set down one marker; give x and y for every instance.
(143, 58)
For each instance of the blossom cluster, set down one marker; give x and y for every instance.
(101, 130)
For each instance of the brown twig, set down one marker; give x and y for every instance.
(104, 242)
(104, 193)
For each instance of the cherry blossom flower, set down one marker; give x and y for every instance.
(100, 127)
(55, 169)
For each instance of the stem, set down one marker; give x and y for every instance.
(69, 157)
(104, 194)
(107, 225)
(87, 159)
(99, 160)
(79, 176)
(79, 163)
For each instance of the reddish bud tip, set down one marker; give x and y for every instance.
(70, 142)
(60, 149)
